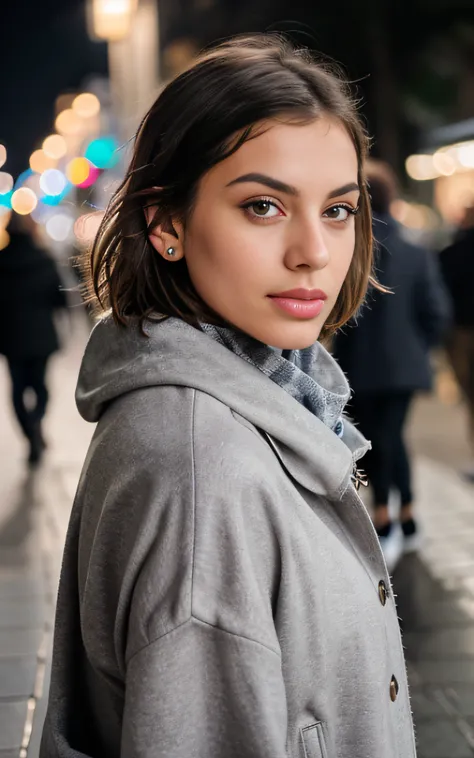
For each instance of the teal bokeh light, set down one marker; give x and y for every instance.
(6, 199)
(57, 199)
(103, 152)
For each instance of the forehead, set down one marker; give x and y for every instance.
(313, 157)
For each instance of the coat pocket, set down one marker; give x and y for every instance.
(314, 743)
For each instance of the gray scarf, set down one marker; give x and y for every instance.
(311, 375)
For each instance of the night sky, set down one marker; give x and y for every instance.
(44, 51)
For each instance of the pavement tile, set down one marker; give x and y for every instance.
(442, 644)
(17, 677)
(22, 586)
(445, 673)
(441, 738)
(12, 722)
(22, 613)
(17, 642)
(424, 705)
(9, 753)
(462, 698)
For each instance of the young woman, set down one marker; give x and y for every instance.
(223, 592)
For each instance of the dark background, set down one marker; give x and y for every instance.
(412, 60)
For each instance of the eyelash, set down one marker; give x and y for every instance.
(246, 207)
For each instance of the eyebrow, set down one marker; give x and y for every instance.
(288, 189)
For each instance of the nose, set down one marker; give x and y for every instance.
(307, 246)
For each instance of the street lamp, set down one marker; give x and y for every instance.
(111, 20)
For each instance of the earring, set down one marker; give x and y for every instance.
(171, 251)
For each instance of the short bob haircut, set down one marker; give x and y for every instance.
(198, 120)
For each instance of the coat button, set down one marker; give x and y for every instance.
(383, 592)
(393, 689)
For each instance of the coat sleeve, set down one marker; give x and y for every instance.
(203, 692)
(432, 300)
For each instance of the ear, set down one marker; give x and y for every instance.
(166, 238)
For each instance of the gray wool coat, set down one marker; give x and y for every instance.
(223, 592)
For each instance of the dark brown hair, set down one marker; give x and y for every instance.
(199, 119)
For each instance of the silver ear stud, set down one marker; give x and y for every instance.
(171, 251)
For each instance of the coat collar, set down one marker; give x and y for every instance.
(119, 360)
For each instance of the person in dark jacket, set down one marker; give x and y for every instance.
(30, 292)
(457, 266)
(385, 353)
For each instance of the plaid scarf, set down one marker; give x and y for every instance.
(311, 375)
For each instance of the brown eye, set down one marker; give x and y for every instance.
(340, 213)
(261, 207)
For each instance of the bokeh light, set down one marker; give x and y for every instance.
(40, 162)
(55, 146)
(86, 105)
(69, 123)
(421, 167)
(6, 182)
(94, 174)
(78, 170)
(4, 239)
(6, 200)
(24, 201)
(5, 216)
(3, 155)
(444, 163)
(53, 182)
(111, 19)
(103, 152)
(465, 154)
(59, 227)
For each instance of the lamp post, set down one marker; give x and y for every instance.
(131, 30)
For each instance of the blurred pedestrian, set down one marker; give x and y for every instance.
(30, 293)
(223, 594)
(385, 355)
(457, 266)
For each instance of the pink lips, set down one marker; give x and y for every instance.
(300, 303)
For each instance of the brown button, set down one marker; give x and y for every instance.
(383, 592)
(393, 689)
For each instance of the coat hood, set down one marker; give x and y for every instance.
(121, 360)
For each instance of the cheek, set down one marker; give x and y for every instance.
(342, 255)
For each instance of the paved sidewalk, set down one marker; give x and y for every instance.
(34, 511)
(435, 588)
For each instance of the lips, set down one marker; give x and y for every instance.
(300, 303)
(301, 294)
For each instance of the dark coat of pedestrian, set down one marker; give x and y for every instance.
(30, 292)
(387, 347)
(457, 266)
(385, 353)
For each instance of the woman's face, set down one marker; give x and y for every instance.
(276, 219)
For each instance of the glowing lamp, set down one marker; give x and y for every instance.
(4, 239)
(78, 170)
(41, 162)
(94, 174)
(111, 20)
(69, 123)
(55, 147)
(59, 227)
(86, 105)
(24, 201)
(6, 182)
(53, 182)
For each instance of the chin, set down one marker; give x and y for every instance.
(296, 335)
